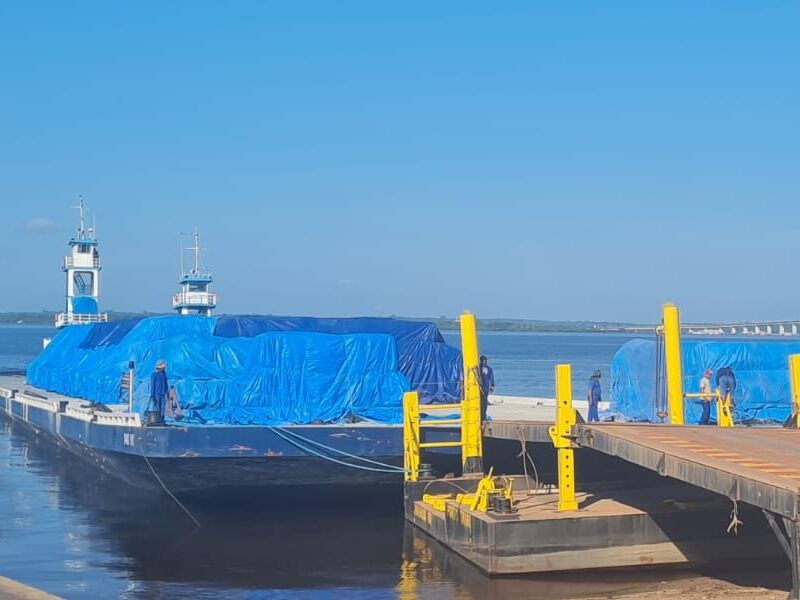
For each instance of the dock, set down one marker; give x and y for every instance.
(729, 492)
(14, 590)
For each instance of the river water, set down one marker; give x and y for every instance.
(70, 530)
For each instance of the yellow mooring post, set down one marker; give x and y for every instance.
(560, 434)
(794, 379)
(671, 323)
(471, 435)
(411, 435)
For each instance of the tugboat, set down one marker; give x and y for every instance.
(82, 269)
(195, 294)
(265, 401)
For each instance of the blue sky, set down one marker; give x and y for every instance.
(575, 160)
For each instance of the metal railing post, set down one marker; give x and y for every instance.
(471, 435)
(560, 434)
(673, 363)
(131, 375)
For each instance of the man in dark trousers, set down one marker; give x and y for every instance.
(159, 389)
(487, 384)
(594, 395)
(726, 382)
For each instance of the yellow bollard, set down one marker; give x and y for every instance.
(673, 363)
(559, 433)
(411, 435)
(794, 379)
(471, 434)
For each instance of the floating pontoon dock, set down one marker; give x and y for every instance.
(718, 481)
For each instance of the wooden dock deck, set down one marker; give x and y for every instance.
(757, 465)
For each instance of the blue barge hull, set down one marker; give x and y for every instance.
(211, 457)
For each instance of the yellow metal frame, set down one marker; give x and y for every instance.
(724, 410)
(470, 406)
(671, 323)
(412, 424)
(561, 434)
(794, 379)
(471, 435)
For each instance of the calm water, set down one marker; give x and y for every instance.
(68, 529)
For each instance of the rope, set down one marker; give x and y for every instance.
(735, 521)
(306, 440)
(312, 452)
(523, 454)
(170, 494)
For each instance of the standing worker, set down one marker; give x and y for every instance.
(705, 388)
(159, 389)
(594, 395)
(726, 383)
(487, 384)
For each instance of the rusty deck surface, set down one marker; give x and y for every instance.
(757, 465)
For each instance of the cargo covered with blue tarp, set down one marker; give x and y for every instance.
(761, 369)
(257, 370)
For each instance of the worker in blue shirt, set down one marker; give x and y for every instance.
(726, 382)
(159, 389)
(594, 395)
(487, 384)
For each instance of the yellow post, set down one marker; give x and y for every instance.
(411, 440)
(671, 322)
(724, 410)
(794, 378)
(560, 434)
(471, 437)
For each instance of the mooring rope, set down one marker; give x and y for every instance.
(735, 521)
(306, 440)
(394, 469)
(170, 494)
(523, 454)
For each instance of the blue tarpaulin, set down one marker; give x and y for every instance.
(256, 370)
(432, 367)
(761, 369)
(84, 305)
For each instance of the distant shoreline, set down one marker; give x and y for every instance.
(443, 323)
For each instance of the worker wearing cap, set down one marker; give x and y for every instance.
(487, 384)
(159, 389)
(705, 388)
(594, 395)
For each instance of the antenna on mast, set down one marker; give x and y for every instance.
(180, 250)
(81, 206)
(196, 250)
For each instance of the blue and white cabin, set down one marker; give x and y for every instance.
(82, 269)
(195, 294)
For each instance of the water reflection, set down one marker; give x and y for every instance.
(70, 529)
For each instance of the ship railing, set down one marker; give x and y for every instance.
(119, 419)
(52, 406)
(88, 262)
(194, 299)
(69, 318)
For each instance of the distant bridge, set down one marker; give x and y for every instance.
(748, 328)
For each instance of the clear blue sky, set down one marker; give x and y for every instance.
(585, 160)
